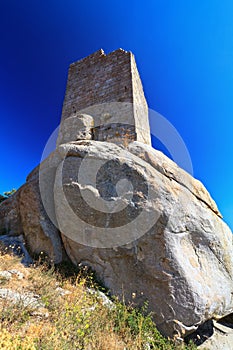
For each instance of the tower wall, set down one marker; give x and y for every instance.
(108, 88)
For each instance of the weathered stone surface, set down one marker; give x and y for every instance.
(182, 262)
(178, 255)
(10, 222)
(29, 216)
(78, 127)
(38, 220)
(40, 234)
(170, 169)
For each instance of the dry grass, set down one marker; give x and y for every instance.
(75, 320)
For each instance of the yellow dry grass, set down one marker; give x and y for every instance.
(73, 320)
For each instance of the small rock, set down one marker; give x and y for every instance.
(101, 296)
(27, 299)
(62, 292)
(222, 338)
(5, 275)
(41, 313)
(19, 274)
(8, 274)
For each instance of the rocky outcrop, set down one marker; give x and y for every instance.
(170, 169)
(23, 213)
(172, 250)
(10, 222)
(40, 234)
(149, 230)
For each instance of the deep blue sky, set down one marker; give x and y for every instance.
(184, 52)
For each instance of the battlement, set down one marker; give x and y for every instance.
(108, 88)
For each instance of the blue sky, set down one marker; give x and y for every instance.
(184, 52)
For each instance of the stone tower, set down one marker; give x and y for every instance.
(104, 94)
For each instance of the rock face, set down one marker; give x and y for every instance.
(24, 211)
(150, 230)
(10, 222)
(172, 250)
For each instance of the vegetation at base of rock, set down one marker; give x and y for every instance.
(7, 195)
(2, 198)
(71, 316)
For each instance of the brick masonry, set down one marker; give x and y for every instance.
(108, 88)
